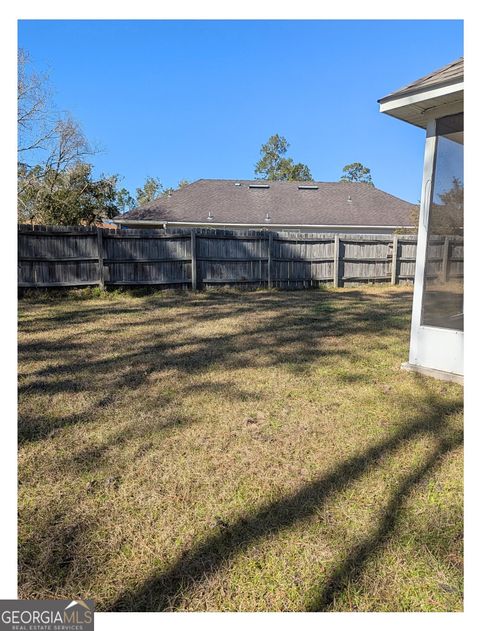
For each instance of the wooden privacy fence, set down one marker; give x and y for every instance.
(51, 256)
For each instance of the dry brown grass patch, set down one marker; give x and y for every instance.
(231, 451)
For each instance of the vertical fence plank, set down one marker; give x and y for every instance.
(336, 260)
(394, 259)
(270, 259)
(101, 273)
(193, 246)
(446, 252)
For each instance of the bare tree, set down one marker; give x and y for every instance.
(57, 139)
(49, 143)
(35, 120)
(69, 146)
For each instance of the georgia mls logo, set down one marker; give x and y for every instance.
(47, 615)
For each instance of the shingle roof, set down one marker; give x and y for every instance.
(451, 73)
(234, 201)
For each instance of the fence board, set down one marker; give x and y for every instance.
(59, 256)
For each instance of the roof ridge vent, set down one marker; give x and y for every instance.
(307, 187)
(259, 186)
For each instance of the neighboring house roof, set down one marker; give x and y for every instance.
(451, 73)
(281, 203)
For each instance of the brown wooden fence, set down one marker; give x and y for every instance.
(51, 256)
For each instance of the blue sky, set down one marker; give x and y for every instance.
(196, 99)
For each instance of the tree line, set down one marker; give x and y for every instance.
(56, 180)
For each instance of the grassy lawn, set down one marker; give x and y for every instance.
(236, 451)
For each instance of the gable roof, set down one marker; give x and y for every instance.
(451, 73)
(280, 203)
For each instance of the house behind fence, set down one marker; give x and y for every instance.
(304, 207)
(59, 256)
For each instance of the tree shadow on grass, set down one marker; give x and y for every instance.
(165, 591)
(293, 331)
(34, 426)
(352, 567)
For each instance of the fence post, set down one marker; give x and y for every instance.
(193, 247)
(446, 253)
(336, 260)
(101, 271)
(394, 259)
(270, 259)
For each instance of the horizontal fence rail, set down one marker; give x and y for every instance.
(54, 256)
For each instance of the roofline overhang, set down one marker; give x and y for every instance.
(412, 108)
(213, 224)
(416, 96)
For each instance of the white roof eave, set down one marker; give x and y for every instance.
(414, 108)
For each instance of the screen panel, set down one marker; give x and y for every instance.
(443, 281)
